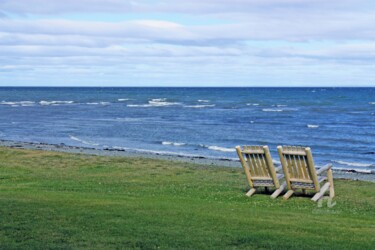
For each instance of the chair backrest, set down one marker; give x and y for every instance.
(257, 163)
(298, 165)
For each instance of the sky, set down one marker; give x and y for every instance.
(227, 43)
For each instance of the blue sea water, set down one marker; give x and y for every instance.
(337, 123)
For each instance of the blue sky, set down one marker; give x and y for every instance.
(187, 43)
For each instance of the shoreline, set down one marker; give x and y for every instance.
(338, 174)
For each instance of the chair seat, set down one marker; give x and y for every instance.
(304, 185)
(267, 183)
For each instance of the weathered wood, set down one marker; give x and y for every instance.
(303, 166)
(270, 166)
(251, 192)
(330, 180)
(284, 165)
(288, 194)
(258, 167)
(245, 167)
(324, 168)
(320, 194)
(311, 167)
(278, 191)
(301, 180)
(300, 172)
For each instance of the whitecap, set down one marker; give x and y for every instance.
(173, 143)
(161, 102)
(217, 148)
(222, 149)
(199, 106)
(105, 103)
(7, 103)
(272, 110)
(252, 104)
(203, 100)
(157, 102)
(46, 103)
(122, 99)
(92, 103)
(138, 105)
(312, 126)
(83, 141)
(281, 105)
(355, 164)
(22, 103)
(373, 103)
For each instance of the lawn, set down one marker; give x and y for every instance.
(71, 201)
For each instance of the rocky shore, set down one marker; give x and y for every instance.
(109, 151)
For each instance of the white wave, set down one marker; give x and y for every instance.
(281, 105)
(355, 164)
(252, 104)
(158, 102)
(217, 148)
(173, 143)
(83, 141)
(22, 103)
(161, 102)
(272, 110)
(46, 103)
(373, 103)
(105, 103)
(252, 122)
(122, 99)
(8, 103)
(138, 105)
(312, 126)
(199, 106)
(92, 103)
(279, 110)
(363, 171)
(203, 100)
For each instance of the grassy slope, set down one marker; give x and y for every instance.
(56, 200)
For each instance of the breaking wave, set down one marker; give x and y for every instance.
(158, 102)
(312, 126)
(173, 143)
(83, 141)
(199, 106)
(217, 148)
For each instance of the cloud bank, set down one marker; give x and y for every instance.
(194, 43)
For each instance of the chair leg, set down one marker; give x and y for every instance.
(278, 191)
(330, 180)
(288, 194)
(251, 192)
(320, 194)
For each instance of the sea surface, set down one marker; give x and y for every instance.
(337, 123)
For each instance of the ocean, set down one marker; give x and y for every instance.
(337, 123)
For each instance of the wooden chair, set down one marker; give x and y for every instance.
(259, 169)
(300, 172)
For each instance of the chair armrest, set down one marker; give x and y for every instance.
(324, 168)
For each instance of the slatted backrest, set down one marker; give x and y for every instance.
(298, 164)
(257, 162)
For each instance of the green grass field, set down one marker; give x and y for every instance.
(70, 201)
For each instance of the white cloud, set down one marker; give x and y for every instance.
(243, 41)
